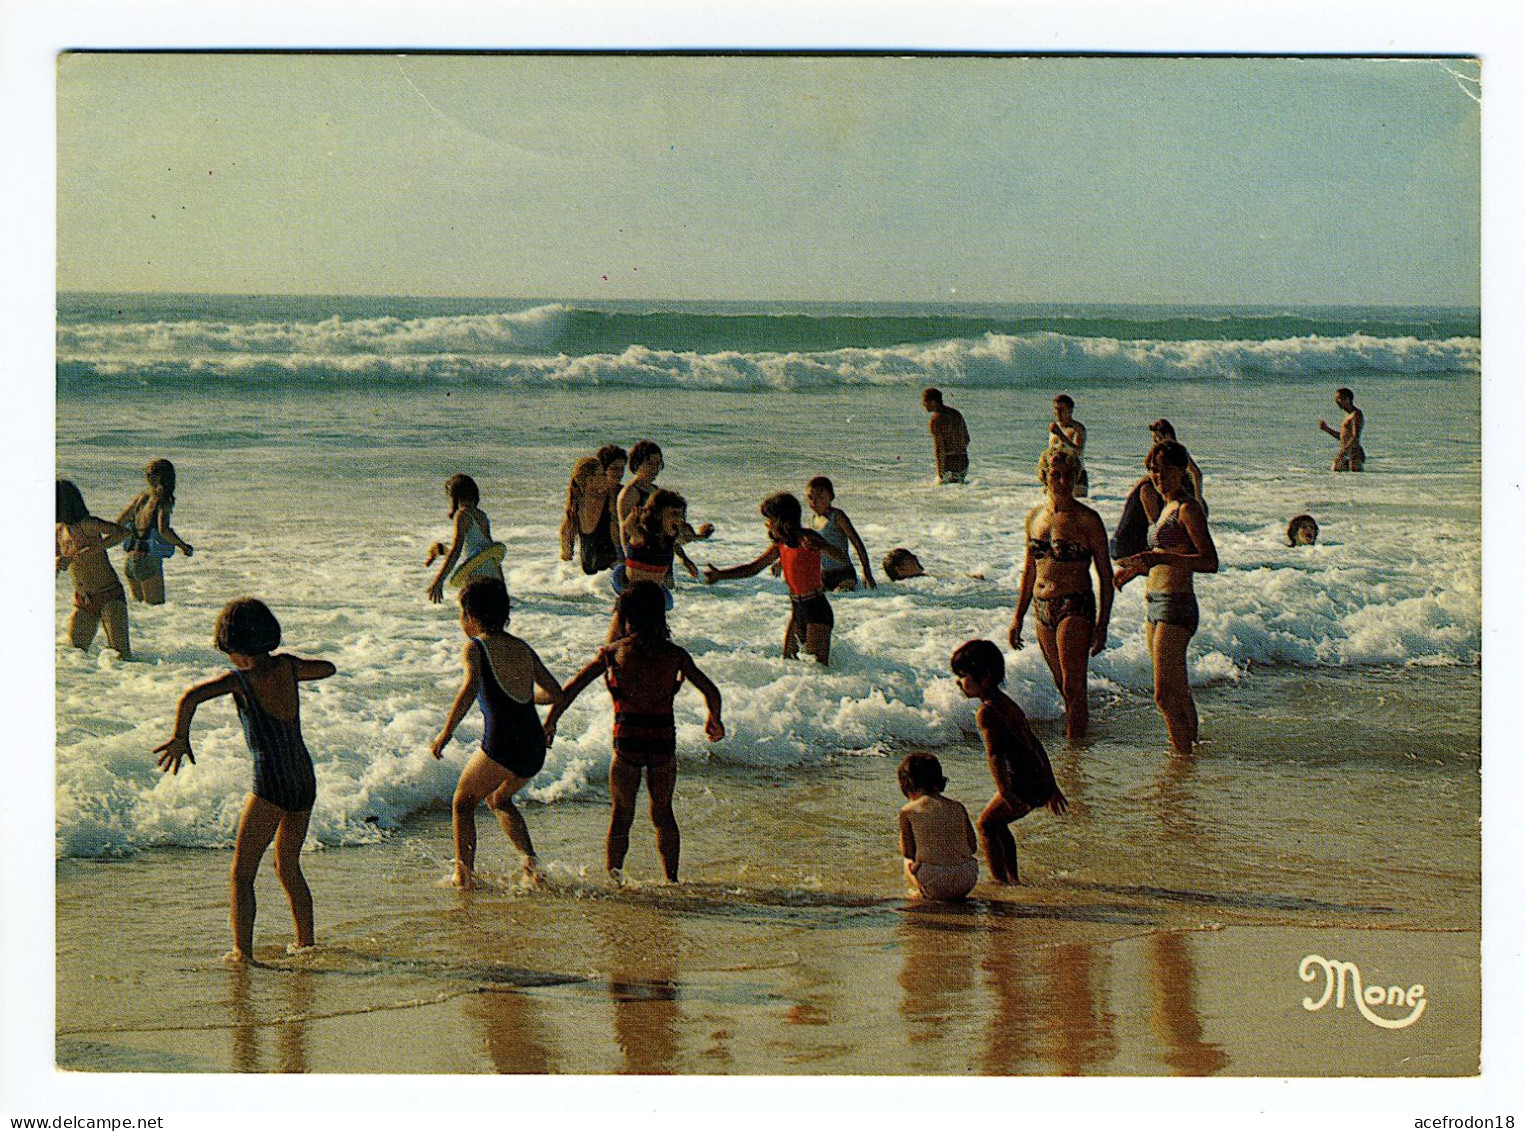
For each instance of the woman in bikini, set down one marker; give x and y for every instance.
(502, 673)
(472, 542)
(1065, 542)
(80, 542)
(644, 671)
(1180, 545)
(152, 538)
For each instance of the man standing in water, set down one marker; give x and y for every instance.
(1067, 432)
(950, 437)
(1351, 456)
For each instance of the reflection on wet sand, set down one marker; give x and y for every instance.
(938, 943)
(1173, 1018)
(290, 1024)
(643, 987)
(1008, 967)
(515, 1031)
(1074, 1019)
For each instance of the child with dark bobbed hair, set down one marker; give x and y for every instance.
(936, 838)
(1024, 780)
(799, 552)
(264, 690)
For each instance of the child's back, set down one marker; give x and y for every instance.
(941, 829)
(1017, 759)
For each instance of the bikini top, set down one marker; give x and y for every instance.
(1059, 550)
(1170, 533)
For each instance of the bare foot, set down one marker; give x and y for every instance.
(236, 957)
(299, 948)
(463, 878)
(618, 876)
(533, 876)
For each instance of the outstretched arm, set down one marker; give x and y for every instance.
(171, 753)
(751, 569)
(463, 699)
(713, 727)
(437, 586)
(857, 544)
(311, 669)
(572, 690)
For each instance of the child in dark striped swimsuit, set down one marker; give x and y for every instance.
(643, 670)
(264, 689)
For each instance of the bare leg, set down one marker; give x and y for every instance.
(791, 636)
(1172, 692)
(660, 782)
(82, 626)
(624, 784)
(1000, 845)
(818, 642)
(289, 836)
(480, 777)
(1073, 642)
(501, 802)
(114, 617)
(256, 829)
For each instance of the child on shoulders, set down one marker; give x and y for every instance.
(936, 838)
(1024, 779)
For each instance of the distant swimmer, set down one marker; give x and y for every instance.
(80, 542)
(950, 437)
(263, 684)
(937, 839)
(902, 565)
(1068, 433)
(502, 673)
(1162, 430)
(1302, 531)
(589, 524)
(1179, 546)
(644, 671)
(1065, 542)
(152, 538)
(1351, 456)
(472, 546)
(799, 552)
(831, 523)
(1024, 779)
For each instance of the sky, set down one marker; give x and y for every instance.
(887, 178)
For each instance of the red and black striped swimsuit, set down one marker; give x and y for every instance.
(642, 738)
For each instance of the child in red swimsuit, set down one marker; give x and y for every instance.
(798, 551)
(643, 670)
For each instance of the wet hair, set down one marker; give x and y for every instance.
(933, 395)
(1299, 522)
(463, 491)
(980, 659)
(68, 503)
(641, 451)
(1171, 452)
(1066, 400)
(611, 454)
(784, 511)
(821, 483)
(642, 612)
(1342, 391)
(921, 773)
(897, 562)
(160, 473)
(646, 518)
(1053, 456)
(485, 600)
(1164, 428)
(248, 627)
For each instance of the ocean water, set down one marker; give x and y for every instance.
(313, 438)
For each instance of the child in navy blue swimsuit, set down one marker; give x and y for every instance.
(501, 674)
(264, 688)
